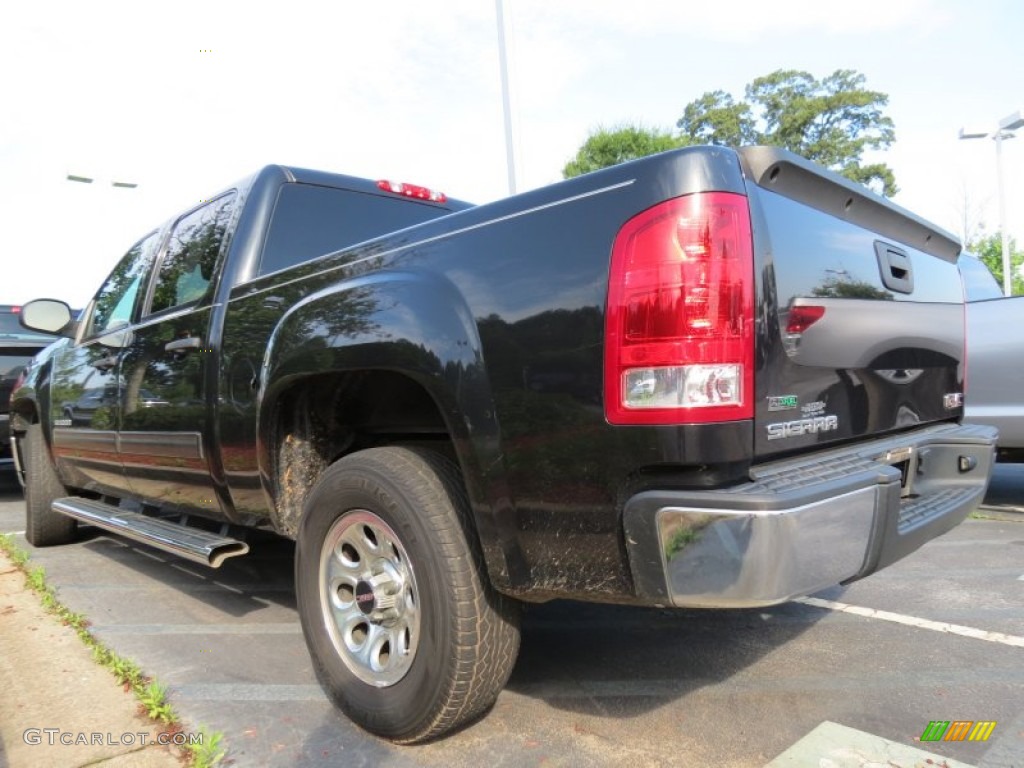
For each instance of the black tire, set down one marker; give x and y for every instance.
(43, 526)
(447, 640)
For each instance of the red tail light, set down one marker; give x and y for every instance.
(679, 325)
(412, 190)
(803, 317)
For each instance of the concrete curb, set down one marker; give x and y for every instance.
(59, 707)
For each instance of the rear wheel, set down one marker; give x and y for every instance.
(406, 635)
(43, 526)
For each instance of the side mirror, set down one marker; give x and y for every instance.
(46, 315)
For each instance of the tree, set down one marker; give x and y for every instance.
(716, 118)
(990, 250)
(832, 121)
(606, 147)
(969, 211)
(845, 287)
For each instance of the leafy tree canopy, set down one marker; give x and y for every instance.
(832, 121)
(990, 250)
(606, 147)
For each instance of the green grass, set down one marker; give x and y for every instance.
(679, 541)
(152, 695)
(209, 752)
(1003, 517)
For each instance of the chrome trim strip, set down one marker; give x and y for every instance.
(425, 241)
(85, 439)
(174, 445)
(169, 316)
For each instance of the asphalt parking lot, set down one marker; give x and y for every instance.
(598, 685)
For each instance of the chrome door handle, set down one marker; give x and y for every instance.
(183, 345)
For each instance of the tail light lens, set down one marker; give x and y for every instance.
(679, 325)
(803, 317)
(412, 190)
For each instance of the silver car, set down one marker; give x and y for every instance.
(995, 357)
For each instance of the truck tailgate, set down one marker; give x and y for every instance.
(860, 310)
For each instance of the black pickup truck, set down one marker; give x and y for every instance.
(708, 378)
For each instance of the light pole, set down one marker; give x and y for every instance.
(506, 97)
(1005, 130)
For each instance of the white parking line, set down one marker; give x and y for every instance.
(248, 692)
(913, 621)
(14, 533)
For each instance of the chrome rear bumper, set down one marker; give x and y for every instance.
(805, 524)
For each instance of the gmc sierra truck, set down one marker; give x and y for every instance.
(708, 378)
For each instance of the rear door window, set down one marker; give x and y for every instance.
(192, 251)
(311, 221)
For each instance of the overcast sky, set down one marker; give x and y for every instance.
(185, 98)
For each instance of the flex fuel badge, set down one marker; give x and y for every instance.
(783, 402)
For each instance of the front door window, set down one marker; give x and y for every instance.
(87, 387)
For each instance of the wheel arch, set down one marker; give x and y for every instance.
(28, 402)
(25, 402)
(389, 358)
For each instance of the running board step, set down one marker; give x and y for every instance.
(194, 544)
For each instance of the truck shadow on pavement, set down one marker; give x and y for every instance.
(577, 660)
(590, 659)
(612, 661)
(9, 489)
(240, 586)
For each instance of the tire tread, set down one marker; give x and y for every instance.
(487, 633)
(483, 629)
(43, 526)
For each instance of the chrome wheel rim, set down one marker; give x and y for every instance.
(368, 598)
